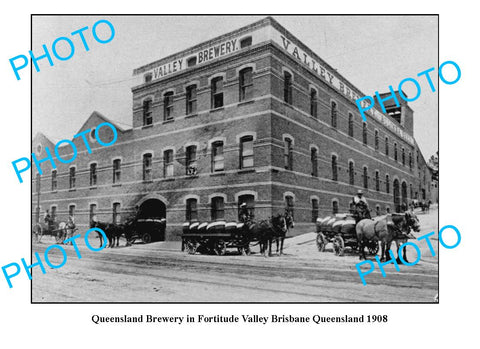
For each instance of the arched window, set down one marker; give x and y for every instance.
(72, 178)
(334, 206)
(377, 210)
(403, 156)
(386, 146)
(93, 174)
(53, 212)
(376, 140)
(191, 160)
(395, 152)
(168, 106)
(365, 177)
(168, 167)
(54, 180)
(287, 87)
(350, 124)
(191, 99)
(147, 167)
(246, 84)
(351, 173)
(333, 114)
(249, 200)
(365, 133)
(246, 151)
(387, 184)
(116, 218)
(71, 210)
(147, 112)
(313, 102)
(191, 213)
(92, 212)
(288, 154)
(314, 161)
(377, 181)
(217, 92)
(410, 160)
(217, 208)
(218, 160)
(117, 171)
(314, 210)
(334, 168)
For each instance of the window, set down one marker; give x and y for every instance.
(351, 172)
(377, 181)
(334, 168)
(218, 160)
(246, 152)
(218, 208)
(192, 61)
(377, 210)
(93, 174)
(410, 160)
(403, 156)
(395, 153)
(334, 206)
(388, 209)
(168, 106)
(217, 92)
(54, 180)
(72, 178)
(53, 211)
(314, 160)
(288, 154)
(386, 146)
(71, 210)
(250, 201)
(365, 177)
(246, 84)
(191, 99)
(92, 211)
(365, 133)
(289, 204)
(148, 77)
(333, 114)
(313, 102)
(376, 140)
(191, 213)
(147, 112)
(116, 171)
(287, 87)
(191, 160)
(350, 124)
(314, 210)
(245, 42)
(116, 213)
(168, 163)
(147, 167)
(387, 184)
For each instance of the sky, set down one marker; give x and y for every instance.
(371, 52)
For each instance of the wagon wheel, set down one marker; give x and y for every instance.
(373, 248)
(146, 238)
(220, 247)
(338, 245)
(321, 242)
(191, 247)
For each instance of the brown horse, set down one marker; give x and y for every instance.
(386, 229)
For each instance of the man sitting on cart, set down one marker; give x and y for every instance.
(48, 220)
(245, 214)
(360, 205)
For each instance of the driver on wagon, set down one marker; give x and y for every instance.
(244, 214)
(361, 205)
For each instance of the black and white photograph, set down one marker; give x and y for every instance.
(233, 164)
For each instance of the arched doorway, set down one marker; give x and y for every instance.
(404, 194)
(396, 195)
(151, 217)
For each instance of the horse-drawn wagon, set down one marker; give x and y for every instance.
(339, 230)
(216, 237)
(59, 230)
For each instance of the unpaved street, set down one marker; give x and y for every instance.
(159, 272)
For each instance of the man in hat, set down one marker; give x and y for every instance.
(244, 215)
(361, 205)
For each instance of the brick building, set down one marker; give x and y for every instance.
(251, 116)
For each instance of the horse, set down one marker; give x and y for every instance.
(266, 231)
(112, 231)
(289, 223)
(386, 229)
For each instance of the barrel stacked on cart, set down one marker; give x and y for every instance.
(216, 237)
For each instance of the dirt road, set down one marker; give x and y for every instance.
(159, 272)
